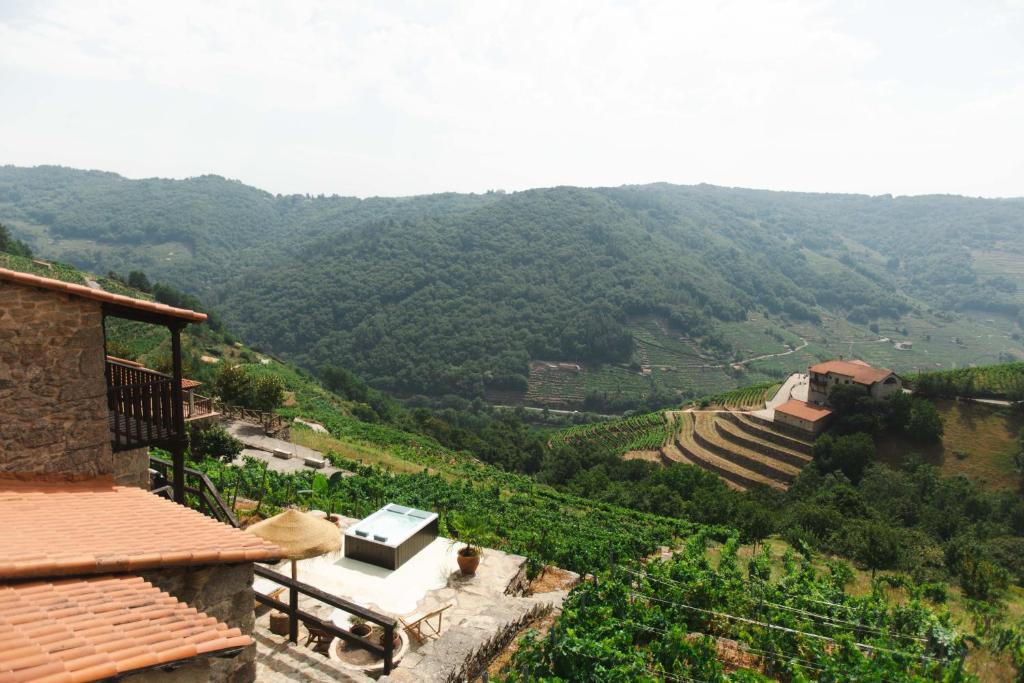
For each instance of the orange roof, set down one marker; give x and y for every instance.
(18, 277)
(90, 629)
(62, 528)
(803, 410)
(189, 383)
(859, 371)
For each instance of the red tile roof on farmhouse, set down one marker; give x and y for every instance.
(859, 371)
(804, 411)
(91, 629)
(61, 528)
(98, 295)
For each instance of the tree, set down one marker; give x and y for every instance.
(876, 545)
(266, 392)
(232, 383)
(849, 454)
(138, 280)
(214, 442)
(11, 245)
(1018, 457)
(925, 423)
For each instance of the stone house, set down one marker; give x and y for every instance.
(99, 577)
(802, 416)
(877, 382)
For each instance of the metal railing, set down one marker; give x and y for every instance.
(384, 650)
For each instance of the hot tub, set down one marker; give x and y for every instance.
(390, 536)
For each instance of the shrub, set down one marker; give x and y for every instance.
(214, 442)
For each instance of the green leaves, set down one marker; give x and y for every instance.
(684, 619)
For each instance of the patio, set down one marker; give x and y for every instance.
(480, 610)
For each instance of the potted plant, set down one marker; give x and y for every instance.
(396, 639)
(473, 530)
(358, 626)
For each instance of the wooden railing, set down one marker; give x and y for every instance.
(198, 407)
(271, 422)
(141, 405)
(203, 495)
(385, 650)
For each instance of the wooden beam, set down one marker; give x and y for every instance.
(178, 413)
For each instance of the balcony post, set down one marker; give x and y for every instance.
(178, 414)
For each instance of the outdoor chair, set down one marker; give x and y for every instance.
(317, 636)
(415, 624)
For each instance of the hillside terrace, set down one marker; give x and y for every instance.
(102, 578)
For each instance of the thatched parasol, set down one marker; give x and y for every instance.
(299, 535)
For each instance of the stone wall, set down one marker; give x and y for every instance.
(225, 593)
(53, 407)
(131, 468)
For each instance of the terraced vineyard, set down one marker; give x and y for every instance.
(639, 433)
(745, 398)
(741, 449)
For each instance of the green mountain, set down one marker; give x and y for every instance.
(642, 293)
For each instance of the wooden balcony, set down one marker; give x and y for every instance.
(198, 407)
(141, 406)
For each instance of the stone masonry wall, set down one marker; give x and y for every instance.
(131, 468)
(225, 593)
(53, 409)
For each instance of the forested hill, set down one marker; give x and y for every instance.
(458, 293)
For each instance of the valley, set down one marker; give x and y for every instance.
(656, 293)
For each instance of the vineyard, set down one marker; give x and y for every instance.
(746, 398)
(1005, 381)
(638, 433)
(524, 518)
(686, 620)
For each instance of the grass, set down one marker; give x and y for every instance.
(361, 453)
(986, 434)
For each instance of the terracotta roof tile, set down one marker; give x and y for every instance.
(803, 410)
(106, 626)
(62, 528)
(18, 277)
(858, 370)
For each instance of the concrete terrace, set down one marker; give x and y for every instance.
(485, 612)
(260, 446)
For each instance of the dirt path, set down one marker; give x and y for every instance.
(744, 361)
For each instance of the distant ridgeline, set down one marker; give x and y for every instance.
(454, 293)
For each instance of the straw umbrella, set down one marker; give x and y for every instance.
(300, 536)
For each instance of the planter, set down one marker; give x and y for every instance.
(279, 623)
(361, 630)
(354, 658)
(468, 561)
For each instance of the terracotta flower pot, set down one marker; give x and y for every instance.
(361, 630)
(469, 560)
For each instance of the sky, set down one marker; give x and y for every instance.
(399, 98)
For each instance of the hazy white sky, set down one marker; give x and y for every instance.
(388, 98)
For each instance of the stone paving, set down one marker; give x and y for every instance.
(261, 446)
